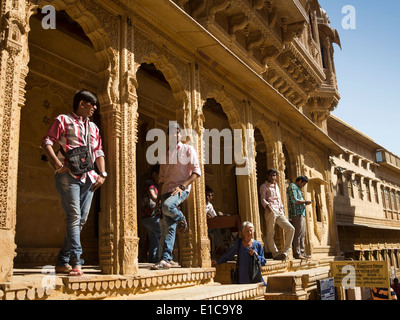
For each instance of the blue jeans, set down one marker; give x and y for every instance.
(171, 215)
(152, 225)
(76, 199)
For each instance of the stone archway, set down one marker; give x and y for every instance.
(266, 159)
(156, 106)
(55, 74)
(321, 237)
(161, 98)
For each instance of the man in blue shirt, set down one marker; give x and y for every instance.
(297, 213)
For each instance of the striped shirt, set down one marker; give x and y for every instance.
(69, 131)
(271, 196)
(294, 195)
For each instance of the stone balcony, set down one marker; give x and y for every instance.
(388, 159)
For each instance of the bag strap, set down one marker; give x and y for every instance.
(238, 253)
(88, 136)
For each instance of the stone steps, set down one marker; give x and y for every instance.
(297, 285)
(213, 291)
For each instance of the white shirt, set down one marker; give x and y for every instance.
(177, 166)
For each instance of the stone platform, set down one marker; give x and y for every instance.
(41, 283)
(292, 280)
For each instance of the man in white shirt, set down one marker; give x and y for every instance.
(274, 214)
(178, 170)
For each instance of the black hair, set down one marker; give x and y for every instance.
(86, 96)
(208, 189)
(302, 178)
(173, 125)
(271, 171)
(154, 168)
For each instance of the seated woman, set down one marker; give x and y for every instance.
(248, 247)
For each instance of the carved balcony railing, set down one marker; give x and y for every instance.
(273, 37)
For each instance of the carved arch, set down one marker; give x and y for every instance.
(319, 192)
(290, 146)
(171, 75)
(107, 59)
(228, 107)
(266, 133)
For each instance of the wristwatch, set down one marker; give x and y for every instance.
(103, 174)
(182, 187)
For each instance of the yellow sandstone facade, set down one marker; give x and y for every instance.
(367, 196)
(261, 66)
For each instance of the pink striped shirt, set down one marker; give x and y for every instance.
(270, 196)
(177, 167)
(69, 131)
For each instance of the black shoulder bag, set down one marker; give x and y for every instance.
(255, 269)
(235, 271)
(79, 159)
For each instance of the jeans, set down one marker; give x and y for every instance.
(171, 215)
(76, 199)
(152, 225)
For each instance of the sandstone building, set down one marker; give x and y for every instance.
(367, 196)
(264, 67)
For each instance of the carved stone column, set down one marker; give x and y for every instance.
(118, 252)
(129, 103)
(13, 71)
(195, 245)
(247, 183)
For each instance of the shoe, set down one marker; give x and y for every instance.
(162, 265)
(300, 257)
(182, 225)
(280, 256)
(77, 271)
(63, 269)
(173, 263)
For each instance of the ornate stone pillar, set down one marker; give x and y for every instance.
(331, 216)
(118, 243)
(13, 71)
(128, 245)
(247, 181)
(195, 245)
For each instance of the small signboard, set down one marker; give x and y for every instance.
(360, 274)
(326, 289)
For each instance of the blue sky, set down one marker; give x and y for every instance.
(368, 68)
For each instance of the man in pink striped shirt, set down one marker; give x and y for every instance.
(274, 214)
(76, 191)
(178, 170)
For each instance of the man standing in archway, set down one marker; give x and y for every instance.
(75, 177)
(274, 214)
(297, 214)
(178, 171)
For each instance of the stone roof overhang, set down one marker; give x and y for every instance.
(204, 45)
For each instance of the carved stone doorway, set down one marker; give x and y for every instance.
(220, 170)
(62, 61)
(156, 106)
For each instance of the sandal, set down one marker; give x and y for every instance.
(76, 272)
(63, 269)
(182, 225)
(162, 265)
